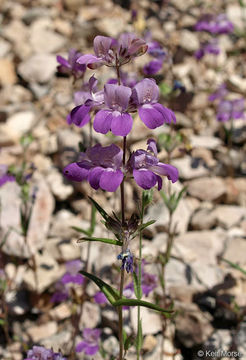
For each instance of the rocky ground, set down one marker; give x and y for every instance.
(210, 296)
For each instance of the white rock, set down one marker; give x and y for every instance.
(4, 47)
(38, 68)
(56, 182)
(44, 40)
(19, 124)
(189, 40)
(207, 189)
(151, 321)
(48, 272)
(40, 332)
(91, 315)
(189, 168)
(229, 215)
(207, 142)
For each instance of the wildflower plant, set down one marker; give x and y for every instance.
(108, 167)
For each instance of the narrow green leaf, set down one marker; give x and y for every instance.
(128, 342)
(111, 294)
(99, 209)
(86, 232)
(136, 302)
(143, 226)
(104, 240)
(2, 322)
(137, 286)
(235, 266)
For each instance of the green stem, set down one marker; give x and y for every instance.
(139, 281)
(122, 274)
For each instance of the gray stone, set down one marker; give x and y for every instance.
(39, 332)
(203, 219)
(190, 168)
(47, 273)
(38, 68)
(207, 189)
(193, 326)
(151, 321)
(189, 40)
(18, 125)
(229, 215)
(60, 190)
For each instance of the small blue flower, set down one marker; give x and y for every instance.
(127, 260)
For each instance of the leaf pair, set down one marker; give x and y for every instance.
(114, 298)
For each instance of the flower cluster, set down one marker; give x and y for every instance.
(90, 344)
(214, 24)
(71, 277)
(70, 66)
(4, 175)
(103, 168)
(157, 52)
(113, 52)
(41, 353)
(116, 103)
(227, 109)
(209, 47)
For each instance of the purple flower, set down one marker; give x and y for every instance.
(146, 167)
(100, 298)
(72, 275)
(115, 117)
(61, 292)
(145, 96)
(70, 66)
(210, 47)
(127, 260)
(4, 176)
(101, 166)
(152, 67)
(91, 99)
(220, 93)
(231, 109)
(90, 344)
(40, 353)
(112, 52)
(149, 282)
(214, 24)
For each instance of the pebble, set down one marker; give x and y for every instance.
(207, 189)
(38, 68)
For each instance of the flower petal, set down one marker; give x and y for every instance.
(90, 60)
(146, 91)
(121, 124)
(151, 117)
(117, 95)
(110, 179)
(102, 45)
(94, 177)
(102, 121)
(168, 115)
(168, 170)
(144, 178)
(80, 346)
(75, 173)
(91, 349)
(79, 115)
